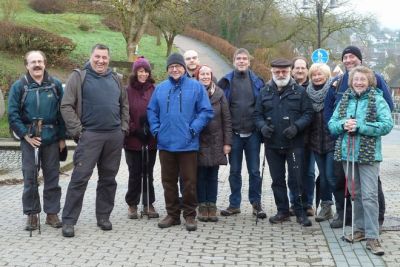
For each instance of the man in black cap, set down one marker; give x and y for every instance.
(283, 110)
(177, 112)
(351, 58)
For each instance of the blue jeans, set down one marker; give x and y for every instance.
(207, 184)
(308, 178)
(251, 147)
(326, 176)
(366, 207)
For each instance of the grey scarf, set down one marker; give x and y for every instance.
(318, 96)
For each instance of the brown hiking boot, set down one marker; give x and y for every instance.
(357, 237)
(31, 222)
(168, 221)
(53, 220)
(150, 212)
(203, 212)
(375, 247)
(132, 212)
(310, 211)
(212, 212)
(230, 211)
(191, 224)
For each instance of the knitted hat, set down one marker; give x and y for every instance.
(176, 58)
(352, 50)
(141, 62)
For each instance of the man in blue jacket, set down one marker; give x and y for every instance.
(33, 103)
(241, 88)
(351, 58)
(177, 112)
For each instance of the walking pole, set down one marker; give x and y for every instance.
(38, 133)
(299, 184)
(262, 178)
(346, 191)
(352, 188)
(141, 183)
(147, 181)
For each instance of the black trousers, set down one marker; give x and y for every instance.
(339, 194)
(137, 168)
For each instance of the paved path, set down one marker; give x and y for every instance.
(233, 241)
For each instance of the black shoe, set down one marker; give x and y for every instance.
(104, 224)
(258, 211)
(68, 230)
(303, 220)
(279, 218)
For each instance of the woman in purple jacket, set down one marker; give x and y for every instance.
(140, 141)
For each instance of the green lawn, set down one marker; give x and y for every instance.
(67, 25)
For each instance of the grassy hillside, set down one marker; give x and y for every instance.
(67, 25)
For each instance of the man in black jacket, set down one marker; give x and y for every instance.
(282, 112)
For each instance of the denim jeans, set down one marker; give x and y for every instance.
(207, 184)
(366, 207)
(251, 147)
(326, 175)
(277, 159)
(309, 179)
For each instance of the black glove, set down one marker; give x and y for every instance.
(143, 135)
(290, 131)
(267, 130)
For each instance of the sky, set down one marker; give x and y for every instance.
(386, 11)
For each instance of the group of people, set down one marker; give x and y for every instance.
(302, 116)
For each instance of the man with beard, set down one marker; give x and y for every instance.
(282, 111)
(34, 115)
(351, 58)
(241, 88)
(192, 61)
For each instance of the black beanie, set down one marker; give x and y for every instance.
(176, 58)
(352, 50)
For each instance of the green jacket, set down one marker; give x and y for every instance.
(24, 108)
(357, 107)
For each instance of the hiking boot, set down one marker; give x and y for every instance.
(303, 220)
(53, 220)
(104, 224)
(150, 212)
(191, 224)
(375, 246)
(212, 212)
(230, 211)
(337, 221)
(279, 218)
(325, 213)
(258, 211)
(31, 222)
(357, 237)
(132, 212)
(203, 212)
(68, 230)
(168, 221)
(310, 211)
(291, 211)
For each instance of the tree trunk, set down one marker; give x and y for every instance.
(135, 34)
(169, 39)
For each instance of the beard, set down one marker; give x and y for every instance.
(281, 82)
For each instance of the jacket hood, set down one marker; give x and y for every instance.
(90, 70)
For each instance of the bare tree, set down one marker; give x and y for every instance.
(134, 16)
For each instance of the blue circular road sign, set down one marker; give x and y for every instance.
(320, 56)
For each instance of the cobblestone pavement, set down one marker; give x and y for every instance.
(234, 240)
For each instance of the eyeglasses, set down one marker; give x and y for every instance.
(176, 66)
(189, 58)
